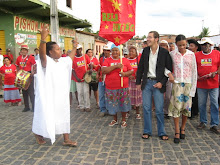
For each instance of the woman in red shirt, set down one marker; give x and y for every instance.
(117, 97)
(93, 85)
(135, 94)
(11, 93)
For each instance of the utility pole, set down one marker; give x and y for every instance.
(54, 21)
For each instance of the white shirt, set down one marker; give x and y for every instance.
(152, 63)
(1, 60)
(185, 69)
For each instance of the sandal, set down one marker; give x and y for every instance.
(176, 140)
(138, 116)
(145, 137)
(163, 136)
(113, 122)
(182, 136)
(69, 143)
(40, 140)
(123, 124)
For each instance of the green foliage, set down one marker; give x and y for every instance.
(205, 32)
(139, 38)
(87, 29)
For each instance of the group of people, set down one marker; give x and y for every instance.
(8, 71)
(177, 80)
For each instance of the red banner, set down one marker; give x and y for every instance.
(117, 20)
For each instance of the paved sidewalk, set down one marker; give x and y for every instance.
(100, 144)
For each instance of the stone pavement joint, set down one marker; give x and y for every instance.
(100, 144)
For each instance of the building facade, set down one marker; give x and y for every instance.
(20, 21)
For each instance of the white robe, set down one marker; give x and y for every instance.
(52, 105)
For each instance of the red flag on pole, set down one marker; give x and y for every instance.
(117, 20)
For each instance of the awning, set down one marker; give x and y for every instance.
(38, 9)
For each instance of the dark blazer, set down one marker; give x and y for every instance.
(163, 61)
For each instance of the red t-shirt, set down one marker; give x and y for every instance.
(10, 74)
(134, 64)
(63, 55)
(30, 60)
(95, 61)
(79, 66)
(206, 64)
(10, 57)
(113, 80)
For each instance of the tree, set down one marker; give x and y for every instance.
(205, 32)
(87, 29)
(144, 37)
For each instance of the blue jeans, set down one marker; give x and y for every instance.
(101, 89)
(147, 93)
(202, 99)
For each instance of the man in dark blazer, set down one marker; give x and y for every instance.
(155, 62)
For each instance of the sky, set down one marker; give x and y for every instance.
(185, 17)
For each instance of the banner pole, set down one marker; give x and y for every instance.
(122, 64)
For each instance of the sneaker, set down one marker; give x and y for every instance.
(215, 129)
(101, 114)
(138, 116)
(113, 122)
(123, 124)
(26, 109)
(88, 110)
(127, 115)
(201, 125)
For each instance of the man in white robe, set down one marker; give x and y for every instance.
(52, 105)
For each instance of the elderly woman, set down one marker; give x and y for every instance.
(135, 94)
(11, 93)
(117, 97)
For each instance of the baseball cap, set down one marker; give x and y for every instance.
(79, 46)
(107, 47)
(206, 40)
(164, 42)
(24, 46)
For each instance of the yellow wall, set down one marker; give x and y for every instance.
(2, 41)
(68, 43)
(39, 37)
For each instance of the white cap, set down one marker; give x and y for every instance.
(107, 47)
(206, 40)
(164, 42)
(79, 46)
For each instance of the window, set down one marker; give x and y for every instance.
(69, 3)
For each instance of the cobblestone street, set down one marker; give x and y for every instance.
(100, 144)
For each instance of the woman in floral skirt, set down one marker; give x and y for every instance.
(135, 94)
(117, 97)
(184, 85)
